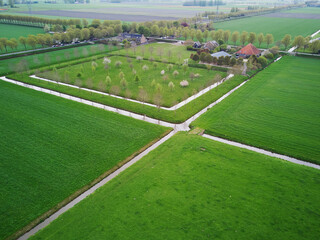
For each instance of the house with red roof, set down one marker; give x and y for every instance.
(248, 51)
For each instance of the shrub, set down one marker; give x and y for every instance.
(171, 86)
(269, 56)
(145, 68)
(195, 58)
(137, 79)
(153, 83)
(184, 83)
(108, 81)
(274, 50)
(263, 61)
(118, 64)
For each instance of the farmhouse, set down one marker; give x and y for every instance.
(211, 45)
(248, 51)
(221, 54)
(138, 38)
(197, 45)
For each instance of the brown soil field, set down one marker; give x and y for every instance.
(102, 16)
(293, 15)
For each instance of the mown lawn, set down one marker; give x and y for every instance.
(150, 81)
(279, 27)
(277, 110)
(51, 147)
(159, 51)
(194, 188)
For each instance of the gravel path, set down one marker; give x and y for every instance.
(258, 150)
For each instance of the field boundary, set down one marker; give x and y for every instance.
(262, 151)
(175, 107)
(85, 188)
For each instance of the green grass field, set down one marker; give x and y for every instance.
(277, 110)
(51, 147)
(279, 27)
(149, 79)
(58, 56)
(194, 188)
(15, 31)
(159, 51)
(310, 10)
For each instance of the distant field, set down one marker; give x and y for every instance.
(102, 16)
(51, 147)
(279, 27)
(277, 110)
(53, 57)
(310, 10)
(16, 31)
(194, 188)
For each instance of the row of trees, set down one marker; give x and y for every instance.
(226, 36)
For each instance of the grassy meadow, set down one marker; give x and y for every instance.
(277, 110)
(51, 147)
(53, 57)
(279, 27)
(159, 51)
(16, 31)
(194, 188)
(307, 10)
(151, 81)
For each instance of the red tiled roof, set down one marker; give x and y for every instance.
(249, 50)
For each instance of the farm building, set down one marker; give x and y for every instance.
(197, 45)
(248, 51)
(211, 45)
(220, 54)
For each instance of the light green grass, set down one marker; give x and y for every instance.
(194, 188)
(169, 96)
(310, 10)
(277, 110)
(159, 51)
(51, 147)
(279, 27)
(16, 31)
(53, 57)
